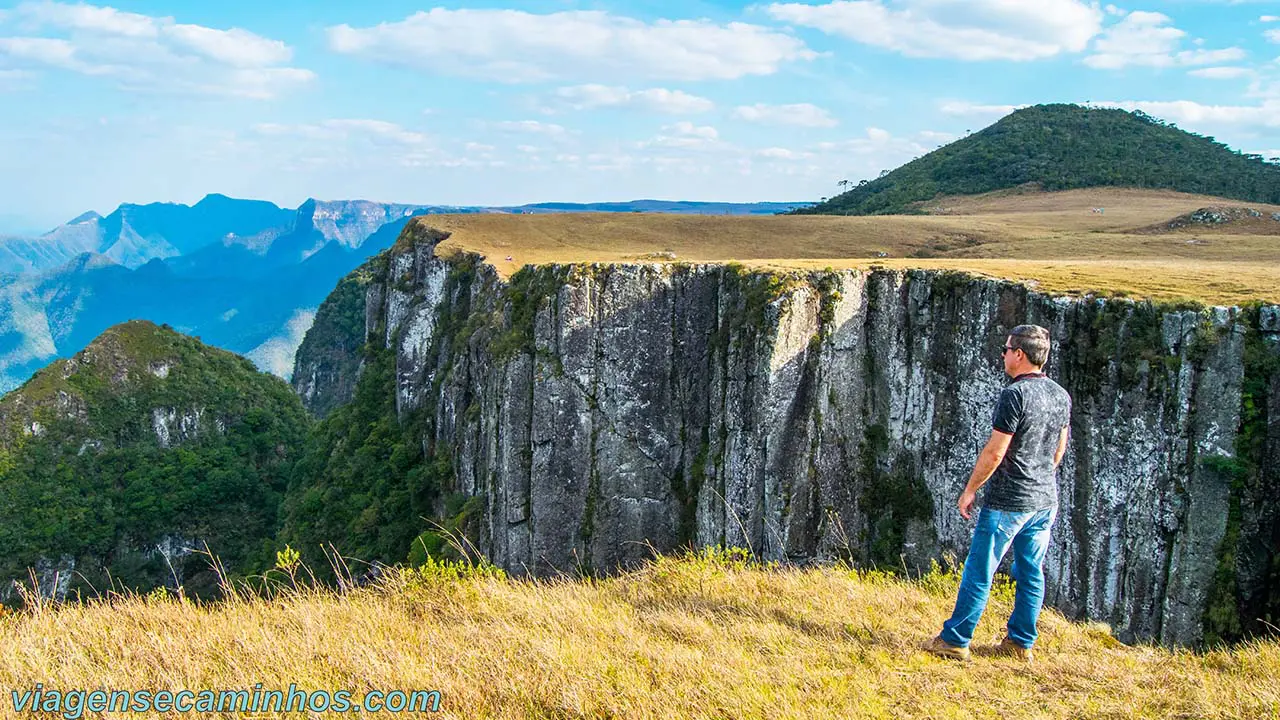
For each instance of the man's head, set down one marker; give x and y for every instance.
(1025, 350)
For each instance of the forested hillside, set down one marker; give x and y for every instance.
(117, 461)
(1062, 147)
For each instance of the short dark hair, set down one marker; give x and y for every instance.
(1033, 341)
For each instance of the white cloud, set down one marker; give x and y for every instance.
(777, 153)
(798, 114)
(54, 52)
(1209, 57)
(1270, 18)
(531, 126)
(933, 136)
(661, 100)
(91, 18)
(684, 135)
(961, 29)
(866, 157)
(1147, 39)
(1197, 116)
(1272, 35)
(364, 145)
(962, 108)
(146, 53)
(515, 46)
(378, 131)
(1264, 89)
(1221, 73)
(688, 129)
(236, 47)
(258, 83)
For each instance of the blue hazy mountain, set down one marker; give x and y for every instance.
(135, 234)
(243, 275)
(228, 232)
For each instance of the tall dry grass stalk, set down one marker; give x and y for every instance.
(706, 636)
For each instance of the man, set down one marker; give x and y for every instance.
(1028, 439)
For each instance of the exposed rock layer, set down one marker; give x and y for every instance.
(606, 411)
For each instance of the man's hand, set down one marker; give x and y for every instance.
(988, 460)
(1063, 438)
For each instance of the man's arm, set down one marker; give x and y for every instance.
(1062, 446)
(988, 460)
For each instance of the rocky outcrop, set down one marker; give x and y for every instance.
(351, 222)
(606, 411)
(1239, 219)
(54, 579)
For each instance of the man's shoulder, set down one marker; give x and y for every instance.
(1057, 388)
(1042, 387)
(1037, 381)
(1052, 384)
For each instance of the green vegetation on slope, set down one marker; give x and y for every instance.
(1250, 546)
(369, 478)
(362, 483)
(331, 347)
(1062, 147)
(98, 482)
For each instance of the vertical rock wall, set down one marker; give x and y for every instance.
(606, 411)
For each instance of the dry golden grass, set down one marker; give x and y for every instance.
(1213, 283)
(1018, 236)
(705, 637)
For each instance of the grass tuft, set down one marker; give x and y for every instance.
(709, 635)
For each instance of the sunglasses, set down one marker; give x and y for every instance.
(1006, 349)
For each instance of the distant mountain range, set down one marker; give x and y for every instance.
(243, 275)
(663, 206)
(1062, 147)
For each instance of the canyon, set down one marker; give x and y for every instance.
(604, 411)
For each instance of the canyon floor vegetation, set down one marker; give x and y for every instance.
(708, 635)
(1140, 245)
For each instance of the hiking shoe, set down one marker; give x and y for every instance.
(1009, 648)
(942, 648)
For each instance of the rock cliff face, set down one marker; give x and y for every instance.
(351, 222)
(600, 411)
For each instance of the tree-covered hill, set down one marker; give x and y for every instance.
(146, 438)
(1062, 147)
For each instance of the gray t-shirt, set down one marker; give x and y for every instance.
(1033, 409)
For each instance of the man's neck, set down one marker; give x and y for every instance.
(1028, 372)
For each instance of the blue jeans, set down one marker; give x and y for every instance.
(1028, 533)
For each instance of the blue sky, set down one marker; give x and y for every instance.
(527, 101)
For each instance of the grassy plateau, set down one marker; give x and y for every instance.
(1054, 241)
